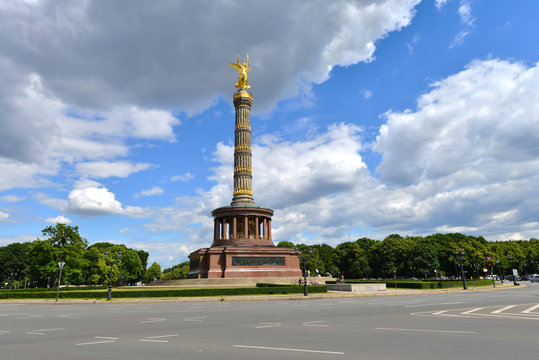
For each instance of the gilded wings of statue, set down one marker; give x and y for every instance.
(243, 69)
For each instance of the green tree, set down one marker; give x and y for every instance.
(69, 247)
(14, 262)
(153, 272)
(325, 253)
(179, 271)
(43, 262)
(143, 255)
(425, 258)
(351, 260)
(95, 269)
(395, 252)
(131, 269)
(286, 244)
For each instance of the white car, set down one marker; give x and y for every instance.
(534, 278)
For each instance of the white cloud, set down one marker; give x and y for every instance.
(12, 198)
(3, 216)
(468, 154)
(105, 169)
(156, 190)
(459, 39)
(367, 94)
(16, 174)
(21, 238)
(465, 13)
(440, 3)
(82, 79)
(59, 220)
(185, 177)
(467, 19)
(465, 160)
(92, 56)
(98, 201)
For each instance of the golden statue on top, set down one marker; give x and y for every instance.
(243, 69)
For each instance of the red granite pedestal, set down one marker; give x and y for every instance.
(241, 249)
(244, 261)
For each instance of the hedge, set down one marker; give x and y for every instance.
(154, 293)
(70, 288)
(414, 284)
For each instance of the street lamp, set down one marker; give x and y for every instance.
(111, 263)
(304, 258)
(61, 265)
(510, 258)
(460, 255)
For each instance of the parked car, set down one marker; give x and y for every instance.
(534, 278)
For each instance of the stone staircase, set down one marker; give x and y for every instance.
(235, 282)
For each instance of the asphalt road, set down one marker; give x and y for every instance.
(500, 324)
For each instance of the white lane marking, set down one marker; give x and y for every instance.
(300, 305)
(115, 308)
(154, 338)
(315, 323)
(28, 317)
(4, 331)
(197, 318)
(426, 330)
(157, 341)
(471, 311)
(106, 337)
(447, 303)
(267, 325)
(508, 316)
(152, 320)
(224, 306)
(67, 315)
(161, 336)
(395, 302)
(97, 342)
(438, 312)
(287, 349)
(503, 309)
(143, 308)
(529, 310)
(45, 330)
(35, 333)
(196, 307)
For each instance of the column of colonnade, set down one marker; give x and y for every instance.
(225, 228)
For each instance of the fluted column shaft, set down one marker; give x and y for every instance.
(243, 189)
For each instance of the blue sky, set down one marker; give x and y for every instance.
(369, 118)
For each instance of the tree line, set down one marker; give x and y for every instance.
(36, 263)
(421, 257)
